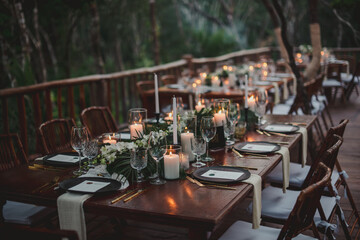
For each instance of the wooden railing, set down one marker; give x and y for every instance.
(25, 108)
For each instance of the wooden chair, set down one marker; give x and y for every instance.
(334, 82)
(168, 79)
(24, 232)
(11, 152)
(352, 83)
(98, 120)
(300, 219)
(12, 155)
(276, 204)
(56, 135)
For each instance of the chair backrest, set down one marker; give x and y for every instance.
(301, 217)
(98, 120)
(331, 137)
(11, 232)
(168, 79)
(56, 135)
(11, 152)
(351, 60)
(334, 71)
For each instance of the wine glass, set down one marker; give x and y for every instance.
(198, 148)
(261, 99)
(208, 131)
(229, 130)
(79, 136)
(138, 161)
(157, 149)
(91, 150)
(234, 113)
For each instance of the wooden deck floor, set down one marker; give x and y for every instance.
(349, 157)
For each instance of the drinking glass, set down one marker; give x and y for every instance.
(240, 129)
(234, 112)
(208, 131)
(229, 130)
(198, 148)
(180, 105)
(91, 150)
(79, 136)
(137, 119)
(261, 99)
(138, 161)
(157, 149)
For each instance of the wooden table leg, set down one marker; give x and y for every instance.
(197, 234)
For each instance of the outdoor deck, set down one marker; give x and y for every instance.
(349, 157)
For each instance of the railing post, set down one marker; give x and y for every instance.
(188, 58)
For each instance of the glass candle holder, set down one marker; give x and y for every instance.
(172, 162)
(188, 131)
(221, 108)
(137, 118)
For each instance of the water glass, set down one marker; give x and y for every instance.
(229, 130)
(79, 135)
(198, 148)
(157, 149)
(208, 132)
(137, 118)
(138, 161)
(91, 150)
(261, 99)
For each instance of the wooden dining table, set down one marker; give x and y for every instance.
(179, 203)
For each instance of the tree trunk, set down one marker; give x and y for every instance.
(154, 32)
(43, 72)
(315, 35)
(73, 23)
(95, 38)
(118, 55)
(300, 84)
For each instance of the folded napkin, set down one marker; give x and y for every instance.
(304, 134)
(70, 206)
(277, 95)
(255, 180)
(284, 151)
(71, 212)
(285, 89)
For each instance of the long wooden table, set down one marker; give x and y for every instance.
(178, 203)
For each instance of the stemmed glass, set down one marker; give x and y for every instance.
(208, 131)
(91, 150)
(138, 161)
(79, 135)
(261, 99)
(198, 148)
(157, 149)
(231, 120)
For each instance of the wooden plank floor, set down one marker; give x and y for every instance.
(349, 157)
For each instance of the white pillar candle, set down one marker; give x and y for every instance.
(252, 103)
(186, 139)
(220, 118)
(109, 140)
(184, 161)
(157, 108)
(136, 130)
(246, 91)
(199, 106)
(175, 141)
(171, 166)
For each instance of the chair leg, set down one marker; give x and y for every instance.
(343, 222)
(328, 113)
(352, 203)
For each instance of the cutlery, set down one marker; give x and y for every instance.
(267, 134)
(123, 196)
(237, 153)
(46, 184)
(281, 134)
(296, 123)
(277, 142)
(55, 182)
(47, 167)
(259, 132)
(208, 185)
(43, 168)
(245, 167)
(134, 195)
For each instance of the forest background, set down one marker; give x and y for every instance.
(43, 40)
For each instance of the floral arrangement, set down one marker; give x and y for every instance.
(305, 49)
(116, 157)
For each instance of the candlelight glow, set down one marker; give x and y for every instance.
(230, 68)
(225, 67)
(188, 191)
(194, 85)
(298, 55)
(203, 75)
(198, 81)
(265, 73)
(251, 68)
(322, 53)
(172, 204)
(264, 64)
